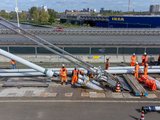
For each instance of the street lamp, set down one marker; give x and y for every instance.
(16, 9)
(129, 5)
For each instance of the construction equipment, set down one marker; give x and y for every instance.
(100, 74)
(44, 44)
(54, 48)
(151, 108)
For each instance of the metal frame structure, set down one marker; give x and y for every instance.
(101, 75)
(41, 42)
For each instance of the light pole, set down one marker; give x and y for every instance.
(16, 9)
(129, 5)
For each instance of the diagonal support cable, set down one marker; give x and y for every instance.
(47, 42)
(48, 48)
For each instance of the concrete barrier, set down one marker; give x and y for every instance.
(86, 58)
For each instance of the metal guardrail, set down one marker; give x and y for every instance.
(89, 32)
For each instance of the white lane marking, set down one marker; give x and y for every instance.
(76, 101)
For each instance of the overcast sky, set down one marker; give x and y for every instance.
(61, 5)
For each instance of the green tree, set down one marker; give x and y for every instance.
(4, 14)
(43, 17)
(23, 16)
(34, 14)
(13, 15)
(52, 16)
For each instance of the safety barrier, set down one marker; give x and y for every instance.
(89, 32)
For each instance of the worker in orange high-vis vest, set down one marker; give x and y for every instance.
(136, 72)
(75, 74)
(146, 69)
(144, 59)
(107, 64)
(63, 74)
(133, 60)
(159, 59)
(13, 64)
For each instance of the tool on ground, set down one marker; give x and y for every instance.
(151, 108)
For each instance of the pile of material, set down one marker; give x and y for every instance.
(150, 82)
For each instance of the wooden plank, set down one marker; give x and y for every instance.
(125, 86)
(134, 89)
(138, 85)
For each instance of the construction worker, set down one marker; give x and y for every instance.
(75, 73)
(144, 59)
(13, 64)
(133, 60)
(159, 59)
(136, 72)
(146, 69)
(107, 64)
(63, 74)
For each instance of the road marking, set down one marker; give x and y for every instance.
(117, 95)
(68, 94)
(96, 95)
(151, 96)
(77, 101)
(84, 94)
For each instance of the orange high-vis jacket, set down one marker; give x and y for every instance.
(144, 59)
(13, 62)
(63, 72)
(159, 58)
(133, 60)
(137, 68)
(107, 65)
(75, 76)
(75, 72)
(146, 69)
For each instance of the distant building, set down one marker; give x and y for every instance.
(75, 13)
(84, 11)
(154, 8)
(102, 11)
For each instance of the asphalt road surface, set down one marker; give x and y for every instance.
(72, 110)
(84, 40)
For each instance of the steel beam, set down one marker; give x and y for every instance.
(47, 72)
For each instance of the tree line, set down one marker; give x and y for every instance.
(35, 15)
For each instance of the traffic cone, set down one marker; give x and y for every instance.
(118, 87)
(142, 115)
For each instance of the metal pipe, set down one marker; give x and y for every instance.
(111, 69)
(125, 71)
(39, 73)
(24, 74)
(130, 67)
(32, 70)
(131, 71)
(84, 81)
(47, 72)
